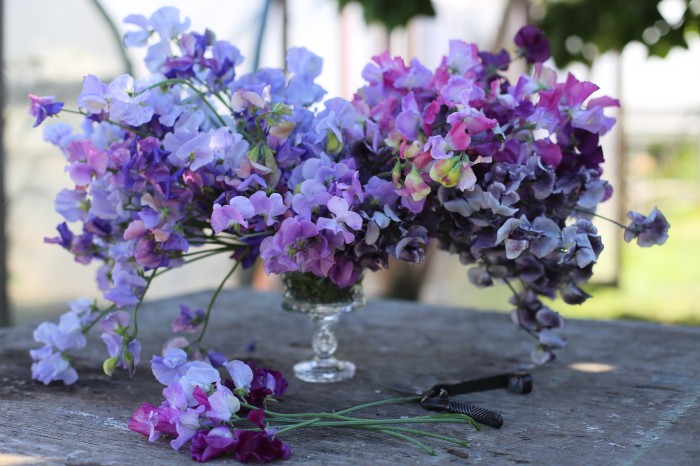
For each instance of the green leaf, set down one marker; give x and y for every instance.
(393, 13)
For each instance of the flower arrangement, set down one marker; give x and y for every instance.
(194, 161)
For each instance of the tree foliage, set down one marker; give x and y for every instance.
(393, 13)
(579, 30)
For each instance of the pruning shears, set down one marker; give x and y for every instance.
(437, 397)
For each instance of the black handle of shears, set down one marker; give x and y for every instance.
(515, 382)
(480, 415)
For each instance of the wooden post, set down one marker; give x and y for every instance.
(4, 305)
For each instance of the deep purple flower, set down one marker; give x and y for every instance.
(533, 44)
(42, 107)
(259, 446)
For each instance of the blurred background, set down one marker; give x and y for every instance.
(646, 53)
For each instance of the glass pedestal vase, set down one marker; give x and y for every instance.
(323, 302)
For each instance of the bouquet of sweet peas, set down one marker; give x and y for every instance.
(194, 161)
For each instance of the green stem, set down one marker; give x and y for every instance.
(126, 127)
(585, 211)
(216, 94)
(435, 419)
(423, 433)
(103, 313)
(297, 426)
(404, 399)
(138, 305)
(408, 439)
(213, 300)
(201, 94)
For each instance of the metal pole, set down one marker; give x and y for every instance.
(4, 305)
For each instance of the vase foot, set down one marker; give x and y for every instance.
(319, 371)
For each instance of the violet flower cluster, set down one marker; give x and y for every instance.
(195, 160)
(202, 409)
(222, 410)
(506, 175)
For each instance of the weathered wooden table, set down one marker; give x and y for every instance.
(621, 393)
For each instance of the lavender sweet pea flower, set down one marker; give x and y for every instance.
(343, 218)
(305, 67)
(269, 208)
(648, 230)
(238, 210)
(94, 96)
(169, 368)
(198, 374)
(42, 107)
(188, 423)
(241, 374)
(70, 203)
(223, 404)
(50, 366)
(127, 106)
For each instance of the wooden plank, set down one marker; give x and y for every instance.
(622, 393)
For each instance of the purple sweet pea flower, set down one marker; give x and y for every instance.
(187, 321)
(42, 107)
(532, 44)
(259, 445)
(208, 444)
(649, 230)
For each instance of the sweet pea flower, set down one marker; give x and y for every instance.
(42, 107)
(532, 44)
(208, 444)
(649, 230)
(237, 212)
(343, 218)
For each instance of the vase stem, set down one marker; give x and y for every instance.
(324, 341)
